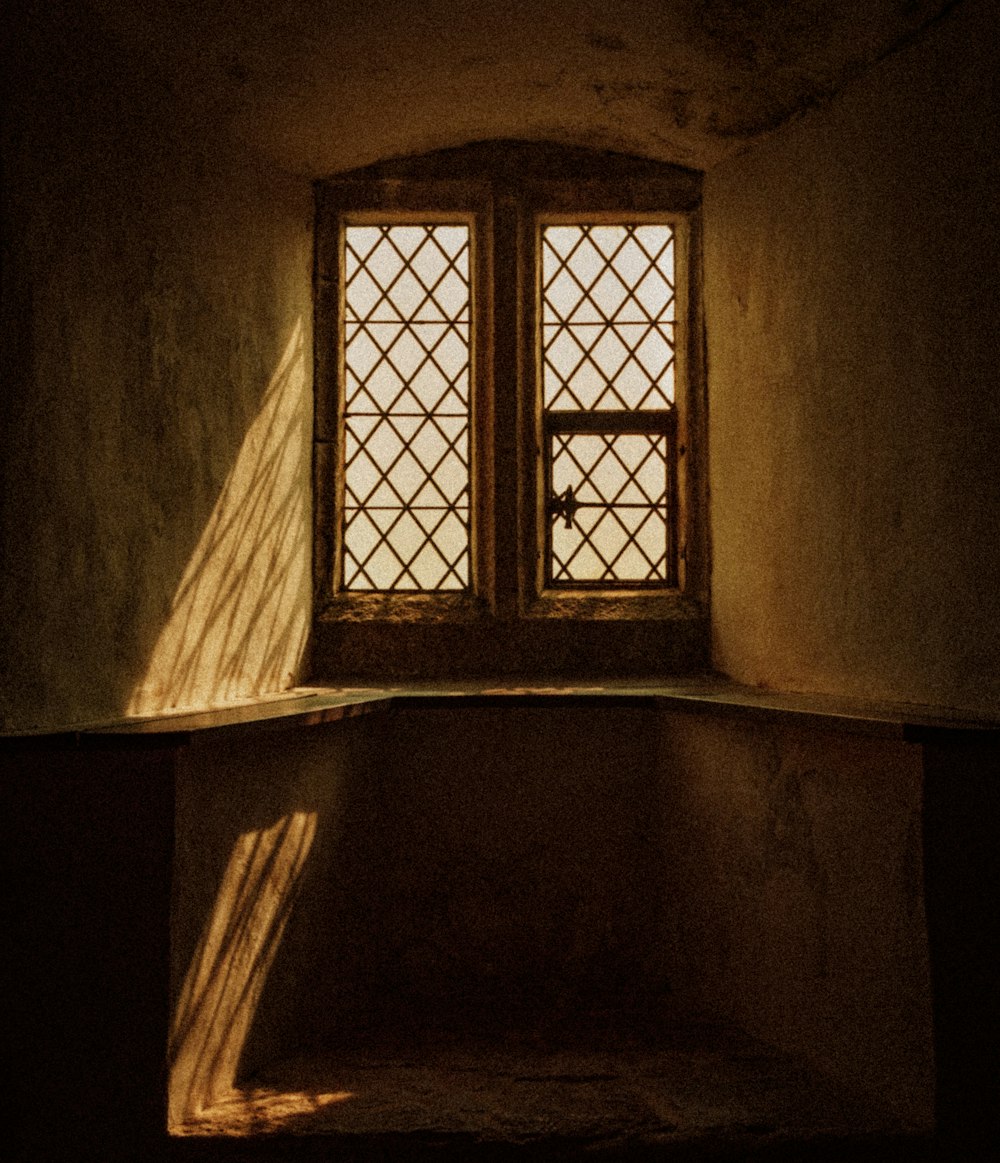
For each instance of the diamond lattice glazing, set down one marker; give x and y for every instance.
(610, 521)
(608, 317)
(406, 444)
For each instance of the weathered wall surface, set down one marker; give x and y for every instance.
(852, 323)
(793, 897)
(326, 85)
(553, 875)
(156, 300)
(256, 877)
(500, 875)
(155, 408)
(481, 871)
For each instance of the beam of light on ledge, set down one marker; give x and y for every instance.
(226, 976)
(239, 618)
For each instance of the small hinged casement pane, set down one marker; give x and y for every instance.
(609, 508)
(607, 316)
(406, 329)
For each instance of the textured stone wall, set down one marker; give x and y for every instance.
(327, 85)
(503, 875)
(422, 874)
(551, 877)
(156, 409)
(157, 300)
(852, 329)
(262, 826)
(793, 897)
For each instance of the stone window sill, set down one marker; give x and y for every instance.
(316, 705)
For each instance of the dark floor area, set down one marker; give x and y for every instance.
(707, 1092)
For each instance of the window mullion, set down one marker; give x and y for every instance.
(507, 393)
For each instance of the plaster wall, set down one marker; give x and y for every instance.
(506, 881)
(422, 873)
(156, 299)
(327, 85)
(551, 876)
(793, 897)
(156, 408)
(852, 322)
(263, 829)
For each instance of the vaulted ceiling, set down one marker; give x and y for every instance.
(322, 85)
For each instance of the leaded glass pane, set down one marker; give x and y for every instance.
(608, 317)
(607, 339)
(406, 417)
(609, 507)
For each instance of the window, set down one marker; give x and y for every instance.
(607, 295)
(508, 416)
(405, 334)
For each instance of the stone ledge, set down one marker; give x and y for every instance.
(315, 705)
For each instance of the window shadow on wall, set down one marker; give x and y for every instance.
(407, 880)
(239, 618)
(260, 826)
(226, 976)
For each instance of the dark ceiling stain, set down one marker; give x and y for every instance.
(677, 105)
(606, 42)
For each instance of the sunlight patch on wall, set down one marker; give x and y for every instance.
(228, 971)
(240, 616)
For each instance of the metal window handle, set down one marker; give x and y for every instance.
(565, 506)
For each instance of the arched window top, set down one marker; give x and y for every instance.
(514, 162)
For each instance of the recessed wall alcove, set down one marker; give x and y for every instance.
(621, 921)
(683, 920)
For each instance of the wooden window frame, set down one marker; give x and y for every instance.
(345, 203)
(511, 621)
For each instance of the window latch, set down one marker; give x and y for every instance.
(565, 505)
